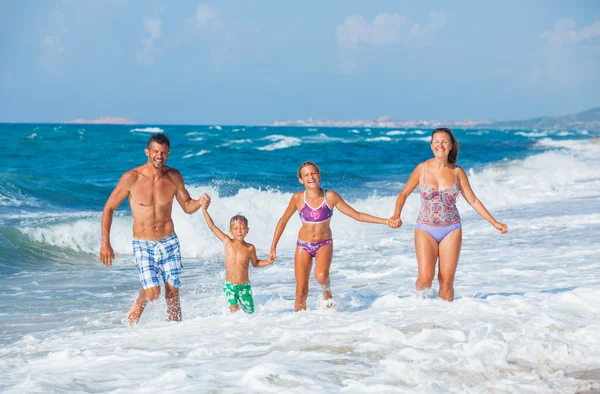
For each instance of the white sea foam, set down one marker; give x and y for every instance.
(378, 139)
(199, 153)
(236, 142)
(282, 142)
(396, 132)
(532, 134)
(147, 130)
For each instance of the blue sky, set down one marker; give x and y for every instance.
(252, 62)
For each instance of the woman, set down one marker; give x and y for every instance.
(438, 232)
(314, 238)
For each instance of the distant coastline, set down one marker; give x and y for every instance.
(102, 120)
(586, 120)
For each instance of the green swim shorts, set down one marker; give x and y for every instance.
(239, 294)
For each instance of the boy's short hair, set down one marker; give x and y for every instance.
(238, 218)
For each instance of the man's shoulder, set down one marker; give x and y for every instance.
(172, 173)
(132, 175)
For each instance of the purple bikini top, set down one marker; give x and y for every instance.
(321, 214)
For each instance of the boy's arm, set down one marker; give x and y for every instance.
(217, 231)
(255, 261)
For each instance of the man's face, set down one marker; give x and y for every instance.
(157, 154)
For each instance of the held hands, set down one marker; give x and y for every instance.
(204, 201)
(394, 222)
(503, 228)
(107, 254)
(272, 256)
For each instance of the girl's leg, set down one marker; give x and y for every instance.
(302, 266)
(324, 257)
(449, 254)
(426, 248)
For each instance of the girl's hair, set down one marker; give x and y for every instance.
(306, 164)
(238, 218)
(453, 155)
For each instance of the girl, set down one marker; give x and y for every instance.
(438, 232)
(315, 207)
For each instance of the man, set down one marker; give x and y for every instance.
(151, 189)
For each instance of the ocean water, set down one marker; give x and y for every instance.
(526, 316)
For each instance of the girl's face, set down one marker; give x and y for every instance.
(441, 144)
(310, 177)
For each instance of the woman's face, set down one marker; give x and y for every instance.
(441, 144)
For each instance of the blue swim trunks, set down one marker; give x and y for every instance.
(158, 257)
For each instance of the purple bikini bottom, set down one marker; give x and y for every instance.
(313, 247)
(438, 232)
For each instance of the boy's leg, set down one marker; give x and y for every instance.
(173, 305)
(302, 266)
(231, 296)
(245, 298)
(324, 257)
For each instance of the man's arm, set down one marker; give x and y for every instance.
(121, 191)
(255, 261)
(217, 231)
(188, 204)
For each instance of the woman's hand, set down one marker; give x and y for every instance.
(272, 256)
(394, 222)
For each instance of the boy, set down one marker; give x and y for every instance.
(238, 255)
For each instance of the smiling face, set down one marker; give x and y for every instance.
(310, 176)
(441, 144)
(157, 154)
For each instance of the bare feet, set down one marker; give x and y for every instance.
(330, 304)
(134, 313)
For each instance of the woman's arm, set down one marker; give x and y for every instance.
(289, 211)
(411, 185)
(473, 201)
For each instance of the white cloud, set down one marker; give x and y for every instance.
(568, 55)
(565, 32)
(206, 16)
(152, 30)
(386, 29)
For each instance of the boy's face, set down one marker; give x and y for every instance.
(238, 230)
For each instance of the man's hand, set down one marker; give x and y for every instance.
(205, 200)
(107, 254)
